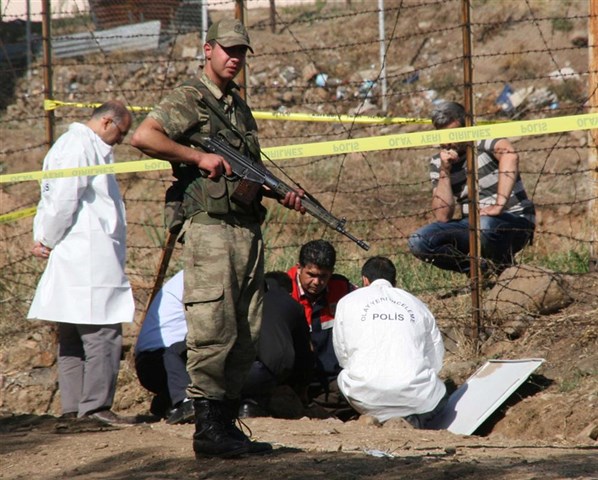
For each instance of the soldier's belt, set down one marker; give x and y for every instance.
(203, 218)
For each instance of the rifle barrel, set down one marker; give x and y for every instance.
(245, 165)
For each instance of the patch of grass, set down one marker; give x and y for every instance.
(570, 90)
(571, 383)
(445, 82)
(416, 276)
(519, 66)
(568, 261)
(155, 233)
(75, 24)
(561, 24)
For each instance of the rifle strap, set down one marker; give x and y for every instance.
(211, 102)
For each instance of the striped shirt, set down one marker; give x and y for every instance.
(518, 204)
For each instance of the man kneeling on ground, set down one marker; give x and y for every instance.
(390, 349)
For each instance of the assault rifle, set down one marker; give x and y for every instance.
(254, 175)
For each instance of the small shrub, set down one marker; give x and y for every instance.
(562, 24)
(571, 383)
(519, 66)
(444, 82)
(570, 90)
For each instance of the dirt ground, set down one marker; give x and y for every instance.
(45, 447)
(547, 429)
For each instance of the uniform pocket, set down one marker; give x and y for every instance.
(204, 295)
(206, 316)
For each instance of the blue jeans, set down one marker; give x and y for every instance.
(446, 244)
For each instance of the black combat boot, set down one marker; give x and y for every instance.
(212, 437)
(230, 412)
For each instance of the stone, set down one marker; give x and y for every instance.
(290, 98)
(458, 371)
(527, 289)
(315, 95)
(579, 38)
(309, 72)
(368, 420)
(189, 52)
(398, 423)
(589, 432)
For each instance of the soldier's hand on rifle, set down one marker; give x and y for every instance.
(214, 165)
(292, 200)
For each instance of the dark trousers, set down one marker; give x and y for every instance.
(259, 383)
(163, 372)
(446, 244)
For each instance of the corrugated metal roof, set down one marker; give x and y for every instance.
(140, 36)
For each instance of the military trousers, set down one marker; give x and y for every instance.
(223, 296)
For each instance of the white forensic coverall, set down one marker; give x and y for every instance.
(82, 219)
(391, 351)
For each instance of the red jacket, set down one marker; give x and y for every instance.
(337, 288)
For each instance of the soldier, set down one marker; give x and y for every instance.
(223, 252)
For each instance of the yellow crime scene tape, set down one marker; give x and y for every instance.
(54, 104)
(357, 145)
(13, 216)
(353, 119)
(114, 168)
(286, 116)
(436, 137)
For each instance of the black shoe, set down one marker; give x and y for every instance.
(251, 409)
(183, 413)
(212, 437)
(160, 406)
(110, 418)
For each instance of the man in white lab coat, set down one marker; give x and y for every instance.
(390, 349)
(80, 228)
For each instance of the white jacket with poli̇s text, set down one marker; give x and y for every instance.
(391, 351)
(83, 220)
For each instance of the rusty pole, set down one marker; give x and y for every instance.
(272, 16)
(475, 250)
(47, 68)
(593, 134)
(242, 77)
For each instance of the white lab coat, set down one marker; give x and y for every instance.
(387, 342)
(83, 220)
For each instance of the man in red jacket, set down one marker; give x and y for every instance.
(318, 289)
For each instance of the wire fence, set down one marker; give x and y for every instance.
(318, 75)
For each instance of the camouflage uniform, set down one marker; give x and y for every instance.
(223, 251)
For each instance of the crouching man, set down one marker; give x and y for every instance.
(389, 348)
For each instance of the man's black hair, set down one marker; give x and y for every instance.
(279, 278)
(319, 253)
(379, 267)
(446, 113)
(115, 110)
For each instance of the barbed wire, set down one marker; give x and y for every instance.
(390, 194)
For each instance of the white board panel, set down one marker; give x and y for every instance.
(482, 393)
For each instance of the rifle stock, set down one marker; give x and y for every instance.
(253, 172)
